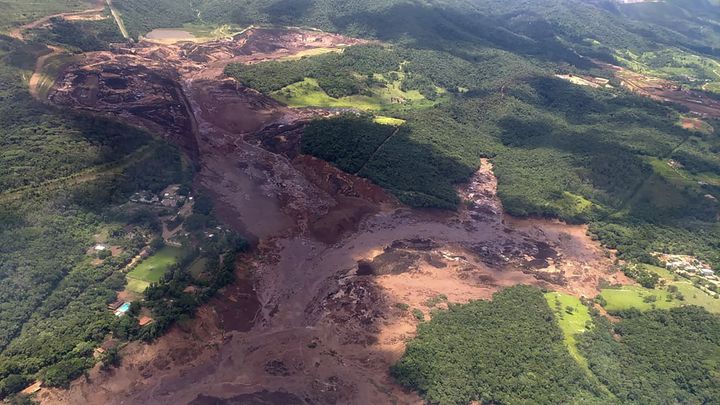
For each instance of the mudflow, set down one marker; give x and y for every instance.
(313, 317)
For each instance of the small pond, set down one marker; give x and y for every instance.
(170, 34)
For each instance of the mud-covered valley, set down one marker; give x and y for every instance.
(316, 316)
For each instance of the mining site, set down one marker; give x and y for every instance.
(318, 313)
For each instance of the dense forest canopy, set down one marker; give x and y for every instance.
(510, 350)
(65, 181)
(658, 356)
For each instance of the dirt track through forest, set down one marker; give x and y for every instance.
(81, 177)
(375, 152)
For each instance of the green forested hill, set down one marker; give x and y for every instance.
(553, 28)
(18, 12)
(691, 23)
(508, 350)
(657, 357)
(61, 174)
(560, 150)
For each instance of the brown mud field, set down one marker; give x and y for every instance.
(698, 103)
(319, 313)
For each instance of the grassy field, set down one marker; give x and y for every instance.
(136, 287)
(636, 296)
(667, 188)
(675, 64)
(308, 93)
(198, 266)
(383, 120)
(571, 323)
(153, 268)
(682, 178)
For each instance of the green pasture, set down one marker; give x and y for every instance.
(635, 296)
(308, 93)
(571, 323)
(153, 268)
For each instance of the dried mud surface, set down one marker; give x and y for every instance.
(318, 315)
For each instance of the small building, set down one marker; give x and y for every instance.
(706, 272)
(122, 310)
(144, 320)
(144, 197)
(107, 345)
(115, 305)
(673, 265)
(100, 248)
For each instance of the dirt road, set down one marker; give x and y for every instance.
(76, 15)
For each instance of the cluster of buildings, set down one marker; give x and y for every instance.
(584, 80)
(688, 264)
(690, 267)
(144, 197)
(119, 307)
(167, 198)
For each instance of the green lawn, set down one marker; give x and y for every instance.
(634, 296)
(383, 120)
(136, 286)
(308, 93)
(153, 268)
(198, 266)
(571, 324)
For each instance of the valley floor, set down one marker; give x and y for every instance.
(342, 273)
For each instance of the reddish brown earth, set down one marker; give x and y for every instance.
(314, 317)
(91, 14)
(662, 90)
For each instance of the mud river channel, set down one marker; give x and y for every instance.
(313, 317)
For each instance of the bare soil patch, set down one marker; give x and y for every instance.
(658, 89)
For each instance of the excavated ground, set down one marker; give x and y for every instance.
(698, 103)
(315, 317)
